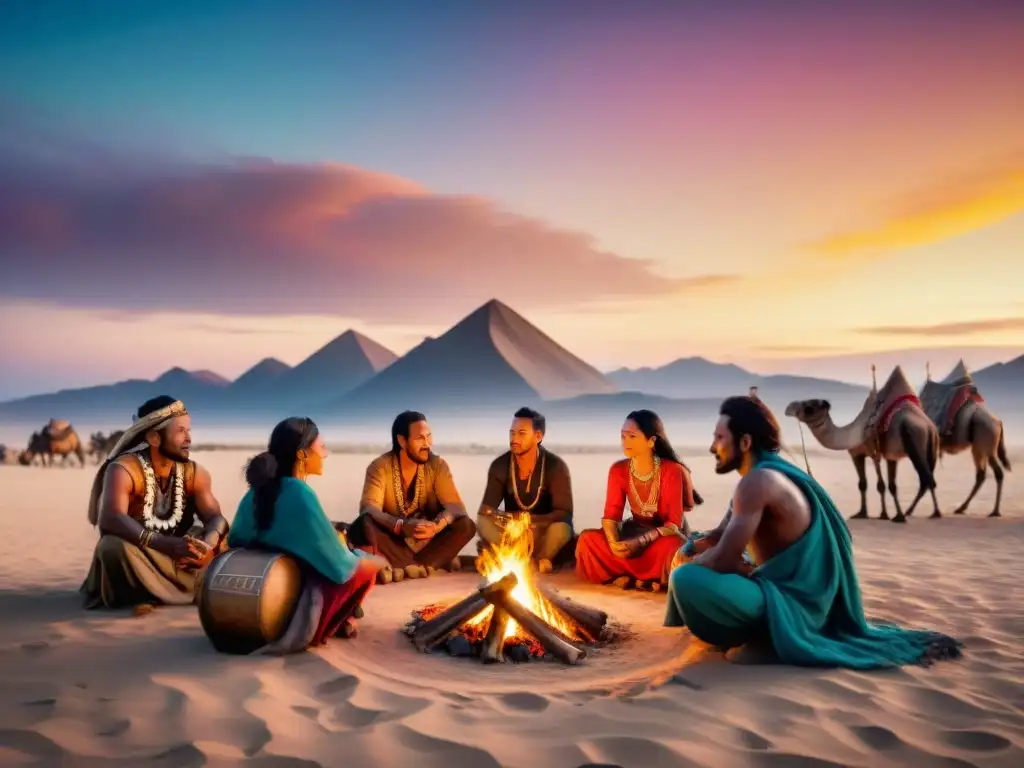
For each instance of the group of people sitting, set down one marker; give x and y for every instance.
(777, 571)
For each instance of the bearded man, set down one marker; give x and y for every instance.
(796, 597)
(159, 521)
(528, 479)
(410, 511)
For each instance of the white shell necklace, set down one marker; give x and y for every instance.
(163, 521)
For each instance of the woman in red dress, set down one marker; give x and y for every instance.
(659, 490)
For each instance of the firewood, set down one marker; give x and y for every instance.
(494, 643)
(554, 642)
(435, 630)
(590, 620)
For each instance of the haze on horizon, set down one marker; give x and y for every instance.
(807, 189)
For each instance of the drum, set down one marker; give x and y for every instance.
(247, 599)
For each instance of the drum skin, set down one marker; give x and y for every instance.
(247, 598)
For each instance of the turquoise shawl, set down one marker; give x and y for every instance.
(300, 528)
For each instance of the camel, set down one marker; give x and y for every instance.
(958, 411)
(58, 438)
(891, 425)
(100, 446)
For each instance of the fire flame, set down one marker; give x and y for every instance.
(512, 555)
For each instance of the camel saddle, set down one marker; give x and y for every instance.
(895, 395)
(58, 429)
(942, 401)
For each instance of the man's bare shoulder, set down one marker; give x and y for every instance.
(763, 487)
(761, 484)
(126, 468)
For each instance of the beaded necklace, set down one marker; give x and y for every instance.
(649, 507)
(396, 475)
(515, 482)
(163, 521)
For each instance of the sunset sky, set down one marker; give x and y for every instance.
(806, 188)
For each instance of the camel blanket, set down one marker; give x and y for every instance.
(58, 430)
(942, 402)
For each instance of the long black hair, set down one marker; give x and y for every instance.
(266, 470)
(652, 426)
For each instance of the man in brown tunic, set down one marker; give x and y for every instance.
(528, 479)
(159, 521)
(410, 511)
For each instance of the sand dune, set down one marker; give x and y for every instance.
(109, 689)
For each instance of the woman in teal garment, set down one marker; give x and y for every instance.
(280, 512)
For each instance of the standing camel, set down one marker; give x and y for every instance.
(892, 426)
(58, 438)
(958, 411)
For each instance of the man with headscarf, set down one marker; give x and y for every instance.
(160, 524)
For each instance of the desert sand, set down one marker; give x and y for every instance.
(107, 688)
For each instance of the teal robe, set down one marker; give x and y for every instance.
(300, 528)
(806, 600)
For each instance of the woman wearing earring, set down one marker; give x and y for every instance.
(659, 490)
(281, 512)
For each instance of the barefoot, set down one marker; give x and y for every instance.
(348, 629)
(143, 609)
(397, 574)
(455, 566)
(385, 575)
(623, 582)
(431, 570)
(415, 572)
(544, 566)
(656, 586)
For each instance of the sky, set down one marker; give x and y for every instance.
(805, 187)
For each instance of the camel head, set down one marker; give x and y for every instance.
(808, 411)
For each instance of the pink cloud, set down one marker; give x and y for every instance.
(255, 236)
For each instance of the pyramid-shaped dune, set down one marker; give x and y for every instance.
(492, 357)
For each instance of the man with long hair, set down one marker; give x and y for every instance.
(410, 511)
(801, 598)
(159, 521)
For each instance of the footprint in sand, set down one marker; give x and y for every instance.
(115, 729)
(752, 740)
(338, 687)
(525, 702)
(878, 738)
(975, 741)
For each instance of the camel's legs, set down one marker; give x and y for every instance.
(925, 469)
(890, 466)
(860, 464)
(880, 486)
(998, 472)
(980, 472)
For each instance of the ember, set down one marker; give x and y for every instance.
(510, 614)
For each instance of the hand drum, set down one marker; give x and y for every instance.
(247, 599)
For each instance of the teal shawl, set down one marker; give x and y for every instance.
(300, 528)
(813, 602)
(813, 598)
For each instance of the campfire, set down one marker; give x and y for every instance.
(511, 615)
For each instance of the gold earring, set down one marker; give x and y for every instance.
(301, 468)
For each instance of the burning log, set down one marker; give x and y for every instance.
(554, 642)
(432, 632)
(493, 650)
(590, 620)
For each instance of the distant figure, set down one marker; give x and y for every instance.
(159, 521)
(528, 478)
(800, 597)
(410, 511)
(659, 490)
(280, 512)
(57, 438)
(100, 445)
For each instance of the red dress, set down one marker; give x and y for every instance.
(595, 561)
